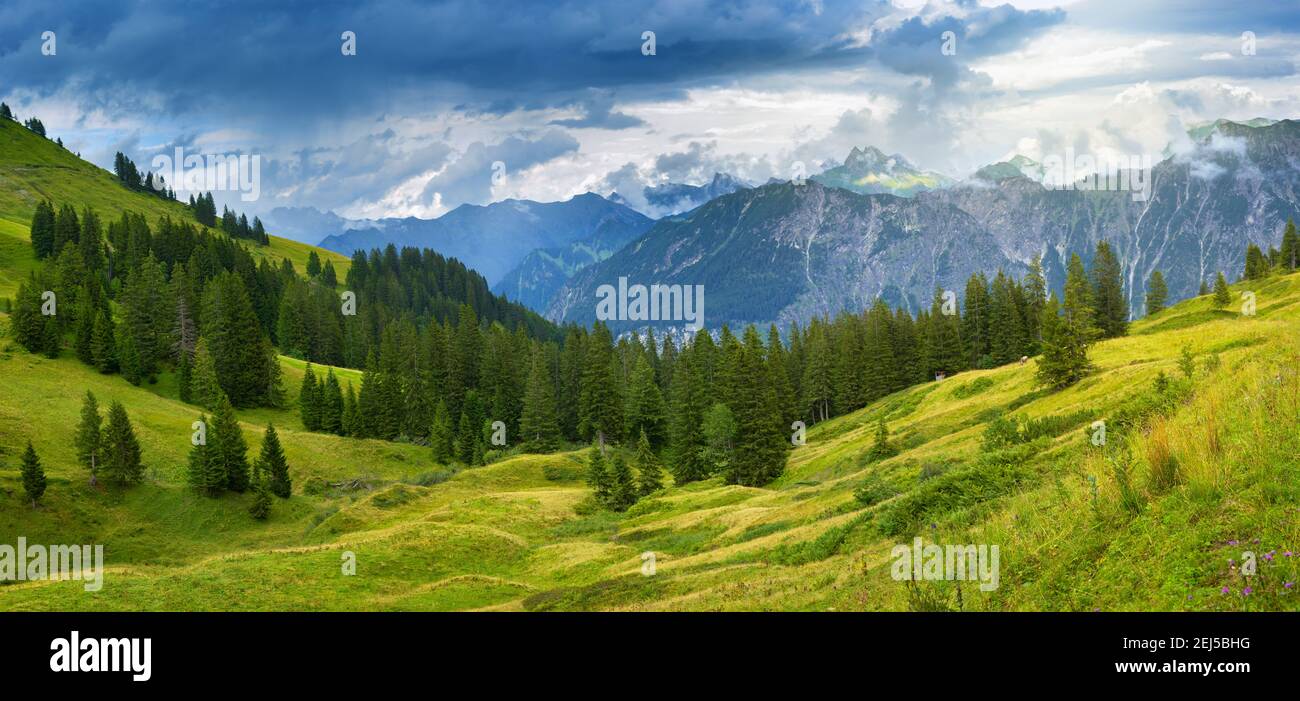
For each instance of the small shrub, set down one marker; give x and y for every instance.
(972, 388)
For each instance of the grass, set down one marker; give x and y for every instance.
(1187, 481)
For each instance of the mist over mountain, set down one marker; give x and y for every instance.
(495, 238)
(673, 198)
(784, 252)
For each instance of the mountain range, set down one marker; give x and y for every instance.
(493, 239)
(787, 252)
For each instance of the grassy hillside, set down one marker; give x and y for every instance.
(509, 535)
(33, 169)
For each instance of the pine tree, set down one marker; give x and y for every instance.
(331, 404)
(1035, 289)
(348, 422)
(1205, 289)
(121, 450)
(313, 264)
(598, 477)
(650, 474)
(1222, 296)
(539, 425)
(33, 475)
(1256, 265)
(760, 438)
(1110, 307)
(600, 410)
(469, 434)
(90, 438)
(309, 401)
(880, 447)
(260, 509)
(274, 379)
(205, 390)
(1157, 293)
(1290, 253)
(689, 402)
(441, 434)
(232, 451)
(104, 344)
(645, 410)
(27, 321)
(623, 489)
(42, 230)
(206, 473)
(277, 468)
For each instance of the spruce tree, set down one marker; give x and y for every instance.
(309, 401)
(1290, 253)
(760, 438)
(623, 489)
(260, 509)
(206, 474)
(42, 230)
(645, 410)
(600, 409)
(348, 421)
(1256, 265)
(104, 344)
(274, 378)
(598, 477)
(1222, 296)
(1106, 297)
(33, 475)
(331, 404)
(650, 474)
(227, 437)
(539, 425)
(441, 434)
(121, 450)
(90, 438)
(880, 446)
(1205, 289)
(205, 390)
(1157, 293)
(277, 468)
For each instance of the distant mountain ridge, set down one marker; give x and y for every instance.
(495, 238)
(869, 171)
(786, 252)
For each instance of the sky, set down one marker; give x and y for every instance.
(458, 102)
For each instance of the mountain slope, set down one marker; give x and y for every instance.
(495, 238)
(1239, 186)
(33, 168)
(786, 252)
(544, 271)
(507, 537)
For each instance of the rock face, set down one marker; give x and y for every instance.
(544, 271)
(1237, 186)
(784, 252)
(495, 238)
(870, 171)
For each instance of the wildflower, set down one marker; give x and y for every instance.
(1232, 542)
(1287, 554)
(1223, 590)
(1289, 585)
(1269, 556)
(1247, 591)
